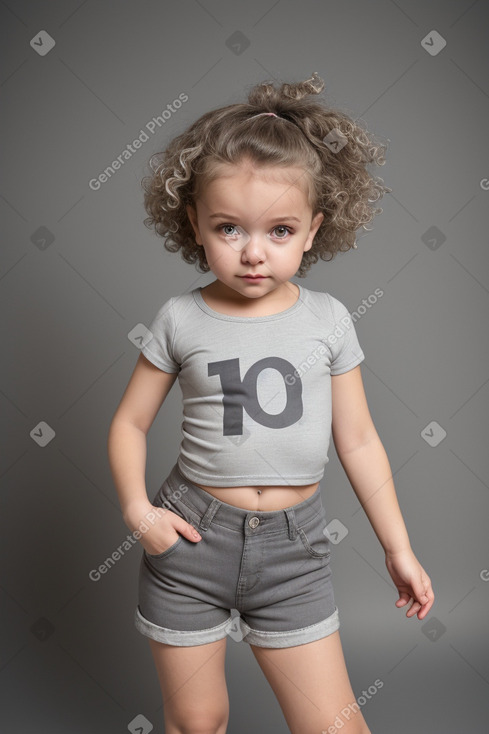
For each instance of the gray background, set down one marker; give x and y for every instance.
(71, 658)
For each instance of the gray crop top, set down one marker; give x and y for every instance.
(256, 390)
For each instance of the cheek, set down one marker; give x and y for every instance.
(219, 255)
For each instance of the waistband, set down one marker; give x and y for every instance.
(212, 509)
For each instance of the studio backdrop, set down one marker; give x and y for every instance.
(89, 91)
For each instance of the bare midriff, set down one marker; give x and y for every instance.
(264, 499)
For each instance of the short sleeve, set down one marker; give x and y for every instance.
(343, 343)
(158, 347)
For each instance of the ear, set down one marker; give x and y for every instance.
(192, 215)
(315, 224)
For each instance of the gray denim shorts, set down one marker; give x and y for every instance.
(262, 577)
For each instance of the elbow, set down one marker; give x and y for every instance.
(357, 441)
(120, 421)
(111, 432)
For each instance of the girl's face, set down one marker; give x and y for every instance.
(252, 221)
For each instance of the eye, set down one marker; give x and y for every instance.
(283, 227)
(222, 227)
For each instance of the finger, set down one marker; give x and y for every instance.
(411, 602)
(186, 529)
(404, 598)
(414, 609)
(421, 590)
(426, 607)
(424, 598)
(194, 533)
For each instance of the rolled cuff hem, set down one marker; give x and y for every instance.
(290, 638)
(181, 638)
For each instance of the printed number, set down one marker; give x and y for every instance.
(239, 394)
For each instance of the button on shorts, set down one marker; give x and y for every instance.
(271, 569)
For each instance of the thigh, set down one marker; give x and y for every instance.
(193, 685)
(312, 686)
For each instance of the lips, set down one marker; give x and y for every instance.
(254, 277)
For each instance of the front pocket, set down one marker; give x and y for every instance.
(166, 552)
(314, 540)
(183, 511)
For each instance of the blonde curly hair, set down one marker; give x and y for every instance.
(336, 183)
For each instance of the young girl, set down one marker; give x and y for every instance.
(269, 370)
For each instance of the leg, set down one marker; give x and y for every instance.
(193, 687)
(312, 686)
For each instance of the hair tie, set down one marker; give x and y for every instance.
(264, 113)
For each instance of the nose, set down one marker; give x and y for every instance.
(254, 249)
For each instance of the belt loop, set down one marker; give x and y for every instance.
(290, 515)
(209, 514)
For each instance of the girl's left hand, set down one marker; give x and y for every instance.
(412, 582)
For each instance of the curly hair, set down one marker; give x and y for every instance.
(332, 149)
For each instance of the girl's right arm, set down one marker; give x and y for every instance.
(126, 447)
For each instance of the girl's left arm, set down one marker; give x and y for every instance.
(364, 459)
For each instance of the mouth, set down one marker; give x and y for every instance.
(253, 277)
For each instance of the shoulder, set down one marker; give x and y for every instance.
(338, 308)
(175, 306)
(330, 307)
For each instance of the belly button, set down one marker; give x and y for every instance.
(259, 491)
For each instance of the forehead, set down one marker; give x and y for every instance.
(231, 182)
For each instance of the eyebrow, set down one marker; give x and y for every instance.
(276, 219)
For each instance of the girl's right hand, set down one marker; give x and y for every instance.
(159, 527)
